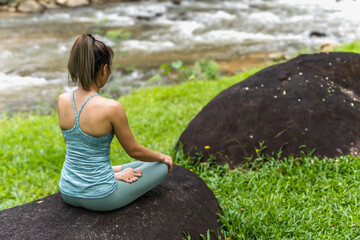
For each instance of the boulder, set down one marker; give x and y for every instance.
(276, 56)
(181, 203)
(29, 6)
(317, 34)
(4, 2)
(72, 3)
(76, 3)
(97, 1)
(312, 100)
(49, 4)
(327, 46)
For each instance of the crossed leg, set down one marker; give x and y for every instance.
(152, 174)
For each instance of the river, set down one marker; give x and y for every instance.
(34, 48)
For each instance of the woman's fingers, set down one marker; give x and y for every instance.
(168, 161)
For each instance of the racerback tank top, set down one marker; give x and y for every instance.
(87, 171)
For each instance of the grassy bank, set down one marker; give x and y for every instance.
(32, 149)
(305, 198)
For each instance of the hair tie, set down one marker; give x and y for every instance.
(93, 39)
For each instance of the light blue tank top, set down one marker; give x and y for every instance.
(87, 171)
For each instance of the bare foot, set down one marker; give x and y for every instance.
(137, 172)
(128, 175)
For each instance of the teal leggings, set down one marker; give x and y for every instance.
(152, 174)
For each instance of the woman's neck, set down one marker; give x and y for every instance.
(93, 89)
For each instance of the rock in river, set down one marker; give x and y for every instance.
(29, 6)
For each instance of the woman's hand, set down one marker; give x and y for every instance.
(168, 161)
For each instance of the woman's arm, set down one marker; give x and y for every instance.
(123, 133)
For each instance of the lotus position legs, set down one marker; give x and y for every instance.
(152, 173)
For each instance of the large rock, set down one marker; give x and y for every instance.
(4, 2)
(48, 4)
(29, 6)
(181, 203)
(311, 100)
(72, 3)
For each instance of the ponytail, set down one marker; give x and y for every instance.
(87, 56)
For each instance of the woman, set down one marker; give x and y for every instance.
(89, 122)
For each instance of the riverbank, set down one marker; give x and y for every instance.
(38, 94)
(148, 34)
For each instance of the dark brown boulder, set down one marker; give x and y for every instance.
(181, 203)
(311, 100)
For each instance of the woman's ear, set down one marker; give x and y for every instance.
(105, 69)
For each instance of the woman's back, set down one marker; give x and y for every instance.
(87, 171)
(94, 117)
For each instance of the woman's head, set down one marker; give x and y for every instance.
(88, 57)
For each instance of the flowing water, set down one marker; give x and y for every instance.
(34, 48)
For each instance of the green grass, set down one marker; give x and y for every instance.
(305, 198)
(348, 47)
(302, 198)
(31, 154)
(33, 150)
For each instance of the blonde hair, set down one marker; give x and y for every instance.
(87, 56)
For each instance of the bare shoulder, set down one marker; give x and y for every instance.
(64, 110)
(64, 97)
(64, 100)
(111, 106)
(108, 102)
